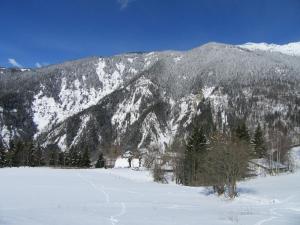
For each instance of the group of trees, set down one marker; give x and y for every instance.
(22, 153)
(219, 159)
(71, 158)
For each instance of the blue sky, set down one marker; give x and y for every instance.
(38, 32)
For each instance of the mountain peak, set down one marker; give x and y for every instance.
(288, 49)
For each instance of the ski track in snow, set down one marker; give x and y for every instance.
(123, 197)
(107, 197)
(114, 218)
(274, 215)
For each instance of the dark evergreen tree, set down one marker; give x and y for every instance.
(10, 153)
(242, 132)
(17, 154)
(79, 163)
(39, 156)
(194, 157)
(85, 161)
(53, 158)
(258, 143)
(3, 162)
(100, 162)
(30, 158)
(61, 159)
(74, 158)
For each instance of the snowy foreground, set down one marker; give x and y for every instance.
(44, 196)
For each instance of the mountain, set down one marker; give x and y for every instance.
(137, 100)
(288, 49)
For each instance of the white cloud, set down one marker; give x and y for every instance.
(39, 65)
(124, 3)
(14, 63)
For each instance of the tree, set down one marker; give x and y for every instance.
(159, 173)
(73, 158)
(226, 163)
(10, 153)
(16, 152)
(85, 161)
(100, 162)
(39, 156)
(61, 159)
(53, 158)
(30, 156)
(242, 132)
(194, 158)
(258, 143)
(3, 162)
(178, 149)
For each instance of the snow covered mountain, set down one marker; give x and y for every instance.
(140, 99)
(288, 49)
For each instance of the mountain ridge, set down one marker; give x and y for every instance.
(143, 99)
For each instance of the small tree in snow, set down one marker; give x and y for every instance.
(100, 162)
(258, 143)
(85, 161)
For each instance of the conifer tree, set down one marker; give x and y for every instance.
(3, 162)
(61, 159)
(196, 150)
(85, 161)
(39, 156)
(242, 132)
(30, 155)
(100, 162)
(74, 158)
(52, 160)
(16, 154)
(67, 156)
(10, 153)
(258, 142)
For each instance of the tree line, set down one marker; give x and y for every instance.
(29, 154)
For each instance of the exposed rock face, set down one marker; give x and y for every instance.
(135, 100)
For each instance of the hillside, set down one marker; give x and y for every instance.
(140, 99)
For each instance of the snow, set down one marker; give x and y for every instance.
(6, 135)
(133, 71)
(112, 81)
(135, 163)
(121, 67)
(121, 163)
(159, 137)
(207, 91)
(62, 142)
(44, 109)
(129, 110)
(130, 60)
(84, 120)
(295, 155)
(43, 196)
(74, 97)
(288, 49)
(177, 59)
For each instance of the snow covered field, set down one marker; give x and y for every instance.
(44, 196)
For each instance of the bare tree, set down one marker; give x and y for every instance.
(227, 163)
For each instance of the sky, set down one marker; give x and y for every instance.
(35, 33)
